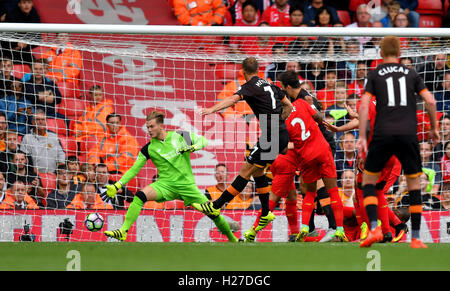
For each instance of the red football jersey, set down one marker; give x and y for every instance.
(304, 132)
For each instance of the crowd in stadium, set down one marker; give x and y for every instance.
(85, 153)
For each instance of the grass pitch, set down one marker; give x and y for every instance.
(106, 256)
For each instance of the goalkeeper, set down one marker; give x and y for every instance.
(170, 153)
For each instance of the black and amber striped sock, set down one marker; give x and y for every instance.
(415, 209)
(371, 204)
(234, 189)
(263, 190)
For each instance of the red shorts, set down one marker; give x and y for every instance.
(283, 171)
(322, 166)
(389, 174)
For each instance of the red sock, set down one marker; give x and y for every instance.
(292, 216)
(336, 206)
(383, 215)
(393, 218)
(348, 211)
(308, 207)
(272, 205)
(361, 208)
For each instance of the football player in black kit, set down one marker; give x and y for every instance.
(271, 107)
(393, 85)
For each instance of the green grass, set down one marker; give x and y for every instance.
(221, 256)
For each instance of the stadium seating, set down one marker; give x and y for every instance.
(430, 20)
(430, 7)
(69, 145)
(48, 181)
(57, 125)
(20, 70)
(71, 108)
(226, 72)
(344, 17)
(69, 90)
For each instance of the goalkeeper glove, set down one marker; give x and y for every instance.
(188, 149)
(111, 190)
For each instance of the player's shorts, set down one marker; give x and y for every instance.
(283, 171)
(388, 176)
(188, 193)
(322, 166)
(404, 147)
(261, 157)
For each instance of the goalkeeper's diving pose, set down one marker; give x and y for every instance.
(170, 153)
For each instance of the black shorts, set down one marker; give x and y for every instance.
(263, 154)
(404, 147)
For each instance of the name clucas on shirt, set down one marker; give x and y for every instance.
(393, 69)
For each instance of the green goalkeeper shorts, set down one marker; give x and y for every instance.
(188, 193)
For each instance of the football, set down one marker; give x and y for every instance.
(94, 222)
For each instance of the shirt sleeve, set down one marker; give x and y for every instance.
(134, 170)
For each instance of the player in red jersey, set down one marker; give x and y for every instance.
(311, 153)
(387, 178)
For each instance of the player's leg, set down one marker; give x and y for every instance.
(250, 235)
(307, 208)
(263, 191)
(292, 213)
(409, 157)
(191, 194)
(147, 194)
(325, 203)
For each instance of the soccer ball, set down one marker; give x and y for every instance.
(94, 222)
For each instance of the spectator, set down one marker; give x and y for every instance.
(92, 124)
(41, 91)
(65, 63)
(433, 72)
(345, 158)
(315, 73)
(445, 166)
(73, 168)
(17, 108)
(237, 11)
(102, 178)
(324, 17)
(65, 190)
(430, 200)
(338, 109)
(347, 191)
(249, 14)
(43, 145)
(278, 66)
(22, 171)
(200, 12)
(87, 173)
(357, 86)
(301, 45)
(326, 95)
(17, 198)
(444, 126)
(12, 146)
(118, 149)
(393, 10)
(408, 7)
(311, 9)
(347, 69)
(362, 20)
(445, 196)
(296, 15)
(221, 175)
(88, 198)
(277, 14)
(351, 101)
(6, 77)
(443, 97)
(430, 167)
(20, 52)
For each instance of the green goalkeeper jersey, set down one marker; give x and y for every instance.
(173, 167)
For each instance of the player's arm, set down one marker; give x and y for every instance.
(430, 107)
(286, 107)
(111, 190)
(363, 118)
(197, 142)
(352, 124)
(225, 103)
